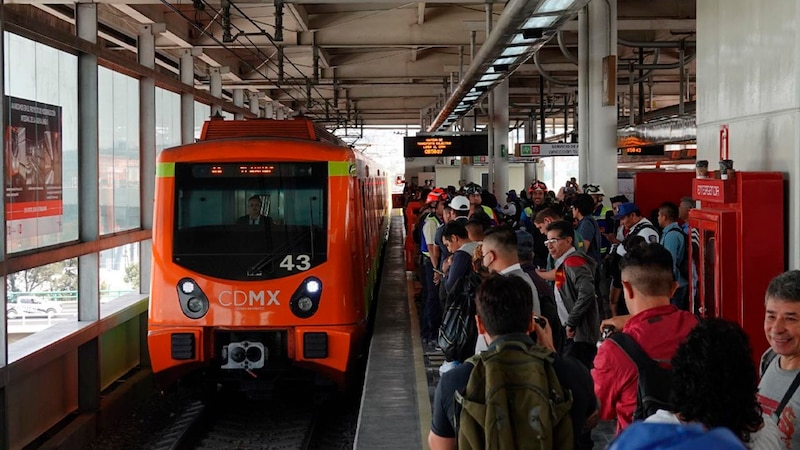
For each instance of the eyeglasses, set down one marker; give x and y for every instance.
(553, 241)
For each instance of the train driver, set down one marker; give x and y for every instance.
(254, 216)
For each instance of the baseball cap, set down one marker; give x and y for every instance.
(625, 209)
(619, 199)
(459, 203)
(434, 195)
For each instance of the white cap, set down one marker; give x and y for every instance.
(459, 203)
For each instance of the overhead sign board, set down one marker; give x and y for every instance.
(458, 145)
(645, 150)
(546, 149)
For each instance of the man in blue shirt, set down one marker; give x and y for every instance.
(674, 240)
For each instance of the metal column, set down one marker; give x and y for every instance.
(147, 145)
(4, 407)
(187, 98)
(500, 130)
(598, 144)
(238, 100)
(215, 88)
(253, 103)
(88, 209)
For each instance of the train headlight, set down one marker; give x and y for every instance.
(305, 300)
(195, 305)
(305, 304)
(312, 286)
(193, 301)
(187, 287)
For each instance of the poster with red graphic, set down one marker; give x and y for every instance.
(33, 159)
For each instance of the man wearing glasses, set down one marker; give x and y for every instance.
(575, 294)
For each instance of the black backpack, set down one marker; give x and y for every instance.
(458, 332)
(655, 382)
(683, 264)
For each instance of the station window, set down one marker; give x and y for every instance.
(119, 272)
(41, 108)
(41, 297)
(202, 112)
(118, 141)
(168, 119)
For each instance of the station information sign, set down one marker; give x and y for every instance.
(646, 150)
(457, 145)
(536, 150)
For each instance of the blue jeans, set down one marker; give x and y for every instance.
(432, 311)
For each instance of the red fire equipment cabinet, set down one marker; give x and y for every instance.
(741, 247)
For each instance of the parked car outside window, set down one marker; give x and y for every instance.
(30, 305)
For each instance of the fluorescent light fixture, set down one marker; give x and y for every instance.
(555, 5)
(490, 77)
(514, 51)
(484, 83)
(520, 39)
(504, 61)
(539, 22)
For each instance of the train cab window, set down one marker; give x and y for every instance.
(250, 221)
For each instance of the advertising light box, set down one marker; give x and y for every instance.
(460, 145)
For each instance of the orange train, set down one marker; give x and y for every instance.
(266, 241)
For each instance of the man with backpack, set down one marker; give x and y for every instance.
(654, 326)
(675, 241)
(634, 228)
(517, 394)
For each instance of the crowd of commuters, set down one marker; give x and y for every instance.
(548, 272)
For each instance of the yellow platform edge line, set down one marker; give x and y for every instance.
(423, 398)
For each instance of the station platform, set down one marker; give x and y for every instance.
(402, 373)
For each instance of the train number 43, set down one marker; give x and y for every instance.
(299, 262)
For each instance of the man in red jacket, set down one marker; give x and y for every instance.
(657, 326)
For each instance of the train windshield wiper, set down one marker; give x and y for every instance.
(257, 269)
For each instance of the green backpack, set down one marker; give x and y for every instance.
(514, 400)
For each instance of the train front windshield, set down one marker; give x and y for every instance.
(250, 221)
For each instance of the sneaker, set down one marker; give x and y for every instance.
(447, 366)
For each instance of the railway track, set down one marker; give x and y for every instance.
(291, 420)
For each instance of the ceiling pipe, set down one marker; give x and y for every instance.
(686, 60)
(649, 67)
(655, 44)
(549, 77)
(510, 22)
(564, 50)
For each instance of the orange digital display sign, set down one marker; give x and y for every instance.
(456, 145)
(647, 150)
